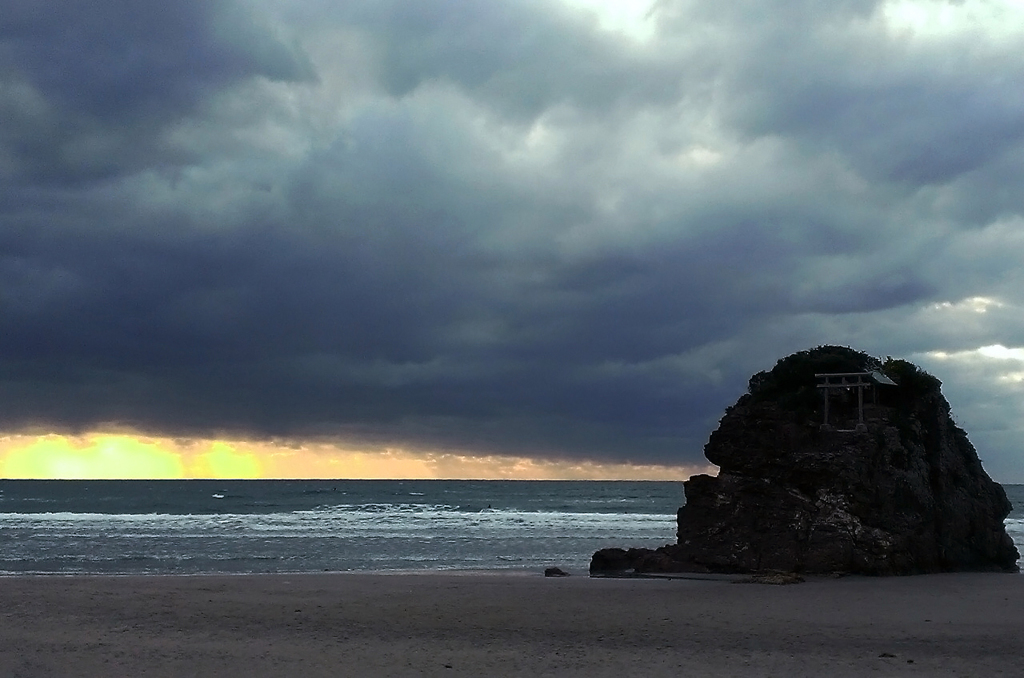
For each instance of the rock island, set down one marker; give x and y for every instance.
(836, 462)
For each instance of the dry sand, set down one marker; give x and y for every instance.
(509, 625)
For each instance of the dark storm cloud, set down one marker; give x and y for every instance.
(489, 227)
(521, 57)
(91, 85)
(919, 127)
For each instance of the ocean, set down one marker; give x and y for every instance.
(280, 526)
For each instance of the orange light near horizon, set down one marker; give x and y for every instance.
(87, 457)
(121, 456)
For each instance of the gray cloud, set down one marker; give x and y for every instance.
(91, 88)
(491, 227)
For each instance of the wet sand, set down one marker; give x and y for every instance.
(509, 625)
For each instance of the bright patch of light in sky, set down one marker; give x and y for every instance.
(1008, 360)
(996, 352)
(975, 304)
(939, 20)
(128, 456)
(1002, 353)
(701, 156)
(631, 17)
(100, 456)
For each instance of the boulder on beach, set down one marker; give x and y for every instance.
(836, 462)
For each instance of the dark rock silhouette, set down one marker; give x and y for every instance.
(888, 485)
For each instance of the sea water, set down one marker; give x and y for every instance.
(1015, 521)
(199, 526)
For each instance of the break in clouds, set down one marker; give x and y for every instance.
(562, 230)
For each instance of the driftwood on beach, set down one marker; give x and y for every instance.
(836, 462)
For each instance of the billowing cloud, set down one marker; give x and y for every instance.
(93, 91)
(547, 230)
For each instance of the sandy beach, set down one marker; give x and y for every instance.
(509, 625)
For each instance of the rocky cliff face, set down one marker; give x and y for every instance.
(903, 493)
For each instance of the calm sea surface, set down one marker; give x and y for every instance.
(200, 526)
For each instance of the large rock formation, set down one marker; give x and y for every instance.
(903, 492)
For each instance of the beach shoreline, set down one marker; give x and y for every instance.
(501, 623)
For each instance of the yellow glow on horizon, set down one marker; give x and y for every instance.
(90, 457)
(129, 456)
(223, 461)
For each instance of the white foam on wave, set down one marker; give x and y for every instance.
(381, 520)
(367, 536)
(1015, 528)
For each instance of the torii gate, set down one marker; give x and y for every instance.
(847, 380)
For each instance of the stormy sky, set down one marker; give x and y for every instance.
(562, 230)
